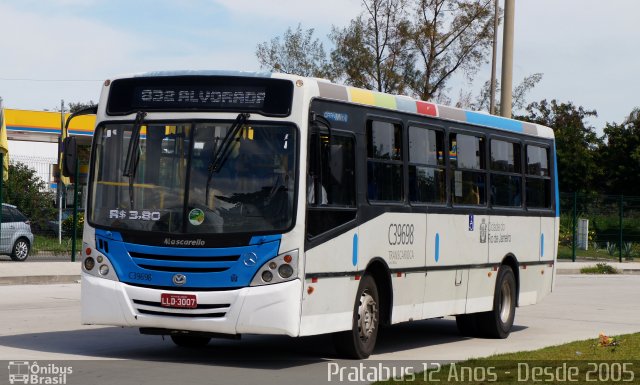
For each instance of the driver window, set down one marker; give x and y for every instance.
(331, 171)
(330, 182)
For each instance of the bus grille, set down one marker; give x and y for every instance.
(201, 311)
(183, 264)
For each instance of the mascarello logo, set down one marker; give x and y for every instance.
(23, 372)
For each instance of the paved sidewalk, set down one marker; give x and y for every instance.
(38, 273)
(568, 267)
(35, 273)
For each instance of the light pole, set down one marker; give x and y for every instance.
(507, 59)
(492, 92)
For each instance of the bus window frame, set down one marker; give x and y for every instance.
(467, 130)
(445, 167)
(403, 201)
(344, 134)
(514, 140)
(315, 207)
(553, 179)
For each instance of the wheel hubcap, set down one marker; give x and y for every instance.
(367, 316)
(505, 302)
(21, 250)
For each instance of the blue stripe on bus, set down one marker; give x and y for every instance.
(256, 240)
(354, 258)
(555, 177)
(157, 267)
(494, 121)
(437, 247)
(542, 245)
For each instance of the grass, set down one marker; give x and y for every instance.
(564, 252)
(599, 268)
(602, 360)
(44, 243)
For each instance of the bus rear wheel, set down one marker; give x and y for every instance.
(187, 341)
(467, 324)
(498, 322)
(359, 342)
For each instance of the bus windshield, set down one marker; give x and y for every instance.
(177, 189)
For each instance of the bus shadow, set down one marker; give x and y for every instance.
(252, 351)
(422, 334)
(262, 352)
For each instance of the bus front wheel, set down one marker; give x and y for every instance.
(358, 343)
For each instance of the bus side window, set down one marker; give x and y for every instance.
(506, 171)
(538, 179)
(384, 161)
(426, 166)
(467, 160)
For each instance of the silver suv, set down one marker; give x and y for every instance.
(16, 237)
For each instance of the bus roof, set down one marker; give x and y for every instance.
(328, 90)
(407, 104)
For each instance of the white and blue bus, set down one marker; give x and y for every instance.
(227, 203)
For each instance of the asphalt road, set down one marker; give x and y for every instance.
(41, 323)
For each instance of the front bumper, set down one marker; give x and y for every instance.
(269, 309)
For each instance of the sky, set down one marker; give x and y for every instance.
(64, 49)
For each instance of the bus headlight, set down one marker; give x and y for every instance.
(98, 264)
(267, 276)
(282, 268)
(285, 271)
(104, 270)
(89, 263)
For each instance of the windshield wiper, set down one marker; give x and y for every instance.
(133, 153)
(220, 156)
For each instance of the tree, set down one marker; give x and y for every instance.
(298, 53)
(519, 94)
(394, 46)
(576, 143)
(373, 51)
(26, 190)
(75, 107)
(620, 155)
(448, 36)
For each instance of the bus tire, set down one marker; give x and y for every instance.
(497, 323)
(359, 342)
(187, 341)
(467, 324)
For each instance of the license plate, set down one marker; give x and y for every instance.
(180, 301)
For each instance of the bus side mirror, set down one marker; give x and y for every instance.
(69, 156)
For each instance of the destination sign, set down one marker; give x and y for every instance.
(267, 96)
(218, 97)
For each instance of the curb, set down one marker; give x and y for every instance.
(39, 279)
(567, 271)
(577, 271)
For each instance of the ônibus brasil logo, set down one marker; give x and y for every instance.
(23, 372)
